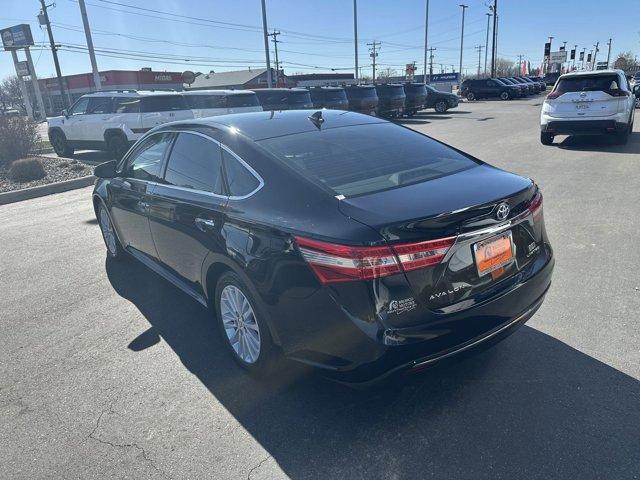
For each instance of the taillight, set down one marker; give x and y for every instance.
(535, 207)
(553, 95)
(333, 263)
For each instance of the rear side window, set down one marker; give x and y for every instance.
(98, 105)
(126, 105)
(195, 163)
(145, 163)
(588, 83)
(162, 103)
(242, 100)
(205, 101)
(241, 181)
(363, 159)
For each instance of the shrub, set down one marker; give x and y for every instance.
(26, 170)
(18, 137)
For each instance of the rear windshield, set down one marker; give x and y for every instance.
(242, 100)
(298, 98)
(415, 89)
(163, 103)
(588, 83)
(363, 159)
(391, 91)
(331, 95)
(362, 92)
(205, 101)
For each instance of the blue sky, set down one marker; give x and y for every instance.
(314, 33)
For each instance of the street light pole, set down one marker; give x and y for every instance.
(265, 34)
(426, 37)
(464, 7)
(609, 52)
(549, 58)
(495, 38)
(92, 55)
(355, 35)
(486, 45)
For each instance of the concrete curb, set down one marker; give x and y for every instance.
(42, 190)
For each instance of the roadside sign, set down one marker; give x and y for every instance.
(445, 77)
(602, 65)
(558, 57)
(188, 77)
(18, 36)
(22, 68)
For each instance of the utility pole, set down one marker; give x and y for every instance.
(92, 55)
(520, 64)
(609, 52)
(275, 43)
(575, 54)
(355, 35)
(265, 34)
(373, 54)
(486, 46)
(431, 50)
(54, 51)
(584, 52)
(595, 54)
(464, 7)
(479, 49)
(549, 58)
(495, 39)
(426, 36)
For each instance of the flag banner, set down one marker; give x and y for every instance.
(582, 56)
(589, 58)
(547, 49)
(573, 54)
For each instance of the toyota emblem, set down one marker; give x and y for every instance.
(502, 211)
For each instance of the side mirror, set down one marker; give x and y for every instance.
(106, 170)
(65, 112)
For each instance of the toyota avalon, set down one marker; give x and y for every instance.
(332, 238)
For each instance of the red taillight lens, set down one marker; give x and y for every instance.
(553, 95)
(535, 207)
(334, 263)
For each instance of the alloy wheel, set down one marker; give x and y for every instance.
(107, 231)
(441, 107)
(240, 324)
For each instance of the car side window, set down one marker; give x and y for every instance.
(98, 105)
(240, 181)
(490, 83)
(80, 107)
(126, 105)
(195, 163)
(146, 162)
(163, 103)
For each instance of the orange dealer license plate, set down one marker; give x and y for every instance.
(493, 253)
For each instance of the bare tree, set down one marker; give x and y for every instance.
(625, 60)
(10, 93)
(504, 67)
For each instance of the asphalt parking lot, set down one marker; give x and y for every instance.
(108, 371)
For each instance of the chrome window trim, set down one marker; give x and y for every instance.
(255, 174)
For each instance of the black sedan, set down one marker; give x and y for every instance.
(440, 101)
(332, 238)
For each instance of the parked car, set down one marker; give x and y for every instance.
(539, 81)
(523, 90)
(528, 87)
(588, 103)
(391, 99)
(362, 98)
(551, 78)
(416, 98)
(534, 85)
(207, 103)
(113, 120)
(636, 93)
(329, 97)
(488, 88)
(440, 101)
(284, 98)
(336, 239)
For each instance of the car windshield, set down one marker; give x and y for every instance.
(363, 159)
(588, 83)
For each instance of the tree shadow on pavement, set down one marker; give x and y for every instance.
(531, 407)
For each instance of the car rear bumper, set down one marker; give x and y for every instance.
(583, 127)
(359, 351)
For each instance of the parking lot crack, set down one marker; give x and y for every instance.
(258, 465)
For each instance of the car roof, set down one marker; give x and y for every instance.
(131, 93)
(217, 92)
(267, 90)
(592, 72)
(261, 125)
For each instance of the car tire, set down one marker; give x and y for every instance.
(117, 145)
(441, 107)
(471, 96)
(623, 137)
(546, 138)
(505, 96)
(60, 144)
(114, 248)
(242, 326)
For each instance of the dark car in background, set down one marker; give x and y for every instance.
(362, 98)
(391, 99)
(534, 85)
(336, 239)
(473, 89)
(551, 78)
(416, 98)
(284, 98)
(329, 97)
(522, 90)
(440, 101)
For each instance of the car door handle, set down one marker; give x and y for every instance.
(205, 224)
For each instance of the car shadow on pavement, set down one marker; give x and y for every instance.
(531, 407)
(601, 143)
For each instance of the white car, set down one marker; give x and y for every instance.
(588, 103)
(114, 120)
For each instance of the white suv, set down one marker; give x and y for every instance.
(588, 103)
(114, 120)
